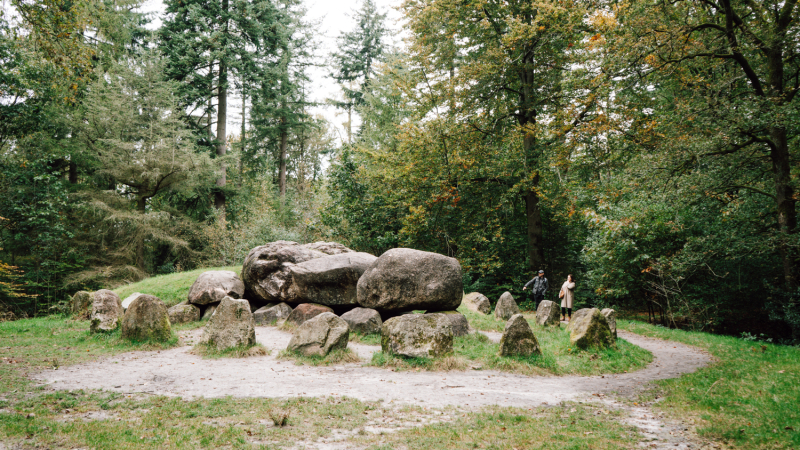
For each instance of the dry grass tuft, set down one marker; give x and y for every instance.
(279, 416)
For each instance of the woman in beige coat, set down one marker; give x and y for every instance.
(566, 295)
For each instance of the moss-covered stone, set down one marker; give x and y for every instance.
(417, 335)
(591, 330)
(518, 338)
(81, 304)
(106, 311)
(146, 319)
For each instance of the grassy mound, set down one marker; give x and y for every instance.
(171, 289)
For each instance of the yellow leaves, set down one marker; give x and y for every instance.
(652, 60)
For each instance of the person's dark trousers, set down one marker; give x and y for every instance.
(537, 297)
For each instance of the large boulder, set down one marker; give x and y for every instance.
(591, 330)
(306, 311)
(577, 316)
(272, 313)
(458, 323)
(403, 279)
(183, 313)
(146, 320)
(518, 338)
(475, 301)
(506, 307)
(328, 248)
(329, 280)
(611, 318)
(320, 335)
(548, 314)
(129, 299)
(417, 335)
(106, 311)
(81, 304)
(266, 273)
(214, 285)
(230, 326)
(363, 320)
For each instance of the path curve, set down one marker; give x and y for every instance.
(176, 372)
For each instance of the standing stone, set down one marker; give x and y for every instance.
(577, 316)
(329, 280)
(548, 314)
(458, 322)
(506, 307)
(403, 279)
(146, 320)
(81, 304)
(106, 311)
(305, 312)
(183, 313)
(129, 299)
(475, 301)
(272, 313)
(266, 272)
(320, 335)
(417, 335)
(363, 320)
(209, 311)
(230, 326)
(611, 318)
(214, 285)
(518, 338)
(591, 330)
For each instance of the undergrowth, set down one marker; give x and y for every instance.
(339, 356)
(240, 351)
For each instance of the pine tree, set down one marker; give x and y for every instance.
(208, 44)
(359, 50)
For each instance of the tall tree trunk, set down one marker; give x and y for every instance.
(222, 145)
(241, 140)
(141, 206)
(786, 204)
(282, 159)
(73, 172)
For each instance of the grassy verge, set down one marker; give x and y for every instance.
(557, 358)
(335, 357)
(366, 339)
(171, 289)
(748, 398)
(241, 351)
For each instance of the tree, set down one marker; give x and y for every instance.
(359, 50)
(134, 124)
(207, 45)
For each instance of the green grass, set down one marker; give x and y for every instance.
(366, 339)
(483, 322)
(241, 351)
(747, 398)
(171, 289)
(341, 356)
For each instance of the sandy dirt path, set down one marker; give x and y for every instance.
(176, 372)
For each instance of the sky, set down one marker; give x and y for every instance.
(334, 17)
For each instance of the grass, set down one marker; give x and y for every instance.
(748, 398)
(171, 289)
(365, 339)
(339, 356)
(558, 356)
(241, 351)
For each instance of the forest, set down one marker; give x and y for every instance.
(648, 148)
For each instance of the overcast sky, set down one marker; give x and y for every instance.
(334, 18)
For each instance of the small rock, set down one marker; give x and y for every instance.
(214, 285)
(30, 416)
(106, 311)
(475, 301)
(231, 325)
(417, 335)
(458, 322)
(506, 307)
(272, 313)
(129, 299)
(81, 304)
(518, 338)
(209, 311)
(363, 320)
(147, 319)
(611, 318)
(548, 314)
(320, 335)
(305, 312)
(183, 313)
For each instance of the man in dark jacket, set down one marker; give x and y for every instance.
(538, 286)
